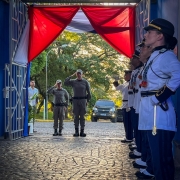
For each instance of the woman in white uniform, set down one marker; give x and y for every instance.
(160, 79)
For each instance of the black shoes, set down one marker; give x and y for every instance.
(76, 134)
(82, 134)
(135, 165)
(132, 147)
(141, 175)
(126, 141)
(134, 154)
(55, 132)
(60, 133)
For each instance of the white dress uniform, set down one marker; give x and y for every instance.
(130, 97)
(134, 85)
(137, 93)
(126, 112)
(164, 71)
(124, 90)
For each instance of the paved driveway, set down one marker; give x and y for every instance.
(99, 156)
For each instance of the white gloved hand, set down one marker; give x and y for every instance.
(128, 109)
(154, 100)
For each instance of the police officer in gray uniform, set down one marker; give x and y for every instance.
(61, 101)
(82, 95)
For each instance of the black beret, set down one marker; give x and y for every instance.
(161, 25)
(166, 27)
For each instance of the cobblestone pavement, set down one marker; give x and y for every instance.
(41, 156)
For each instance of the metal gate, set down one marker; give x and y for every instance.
(15, 75)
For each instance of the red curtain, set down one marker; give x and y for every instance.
(114, 24)
(46, 23)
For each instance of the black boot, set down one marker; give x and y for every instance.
(60, 132)
(76, 132)
(55, 132)
(82, 134)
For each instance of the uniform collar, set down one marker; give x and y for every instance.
(158, 48)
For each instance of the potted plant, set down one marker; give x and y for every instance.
(30, 119)
(31, 115)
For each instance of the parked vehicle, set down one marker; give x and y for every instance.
(119, 115)
(104, 109)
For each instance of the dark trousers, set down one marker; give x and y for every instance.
(137, 133)
(161, 153)
(144, 145)
(146, 152)
(127, 124)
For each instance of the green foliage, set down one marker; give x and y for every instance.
(38, 64)
(40, 115)
(86, 51)
(31, 113)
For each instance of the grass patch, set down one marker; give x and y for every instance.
(40, 115)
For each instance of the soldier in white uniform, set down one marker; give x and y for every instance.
(143, 162)
(160, 79)
(134, 87)
(125, 109)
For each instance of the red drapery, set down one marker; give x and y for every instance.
(46, 23)
(114, 24)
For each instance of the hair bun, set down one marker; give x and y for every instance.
(172, 43)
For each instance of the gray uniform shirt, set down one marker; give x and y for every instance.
(60, 95)
(81, 88)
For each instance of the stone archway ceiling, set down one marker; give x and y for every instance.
(81, 1)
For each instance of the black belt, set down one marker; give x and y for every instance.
(163, 105)
(148, 93)
(60, 104)
(130, 92)
(79, 97)
(124, 100)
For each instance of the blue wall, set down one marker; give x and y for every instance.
(4, 54)
(168, 9)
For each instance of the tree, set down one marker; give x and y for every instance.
(86, 51)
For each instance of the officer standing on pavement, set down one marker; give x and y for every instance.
(82, 95)
(33, 99)
(61, 101)
(160, 79)
(125, 109)
(144, 162)
(134, 87)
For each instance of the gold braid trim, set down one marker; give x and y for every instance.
(157, 27)
(161, 91)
